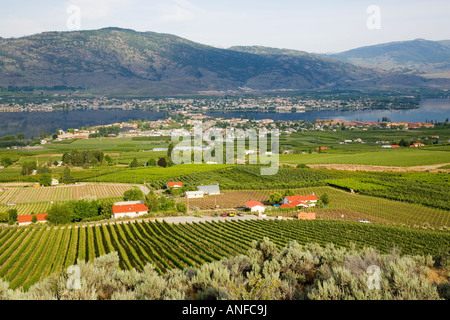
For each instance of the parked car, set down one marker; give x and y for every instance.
(364, 221)
(231, 214)
(240, 214)
(224, 215)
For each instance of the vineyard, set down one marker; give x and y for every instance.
(250, 178)
(360, 206)
(28, 255)
(39, 200)
(425, 188)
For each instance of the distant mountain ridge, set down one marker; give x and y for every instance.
(419, 54)
(147, 63)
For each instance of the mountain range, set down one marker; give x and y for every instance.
(422, 55)
(147, 63)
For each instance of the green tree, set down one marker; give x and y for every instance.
(83, 209)
(182, 207)
(151, 162)
(28, 167)
(289, 193)
(170, 149)
(60, 213)
(45, 179)
(133, 195)
(6, 161)
(162, 162)
(67, 178)
(33, 218)
(108, 160)
(12, 216)
(134, 163)
(275, 198)
(325, 199)
(105, 207)
(152, 202)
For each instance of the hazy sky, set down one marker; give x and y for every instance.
(313, 26)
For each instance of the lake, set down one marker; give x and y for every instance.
(431, 109)
(31, 123)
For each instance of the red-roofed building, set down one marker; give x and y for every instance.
(130, 209)
(174, 185)
(322, 148)
(395, 146)
(26, 219)
(301, 201)
(255, 206)
(417, 145)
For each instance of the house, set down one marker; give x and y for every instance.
(193, 194)
(322, 148)
(395, 146)
(26, 219)
(307, 216)
(255, 206)
(209, 190)
(417, 145)
(129, 209)
(299, 201)
(55, 182)
(174, 185)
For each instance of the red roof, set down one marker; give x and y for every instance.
(286, 206)
(301, 198)
(252, 204)
(173, 184)
(296, 203)
(138, 207)
(28, 217)
(395, 146)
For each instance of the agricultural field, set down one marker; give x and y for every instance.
(149, 174)
(388, 157)
(39, 200)
(352, 206)
(28, 255)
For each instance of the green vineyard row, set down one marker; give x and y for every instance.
(30, 254)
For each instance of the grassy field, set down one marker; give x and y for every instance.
(28, 255)
(357, 206)
(402, 158)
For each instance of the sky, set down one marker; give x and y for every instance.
(321, 26)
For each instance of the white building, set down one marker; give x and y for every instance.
(255, 206)
(193, 194)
